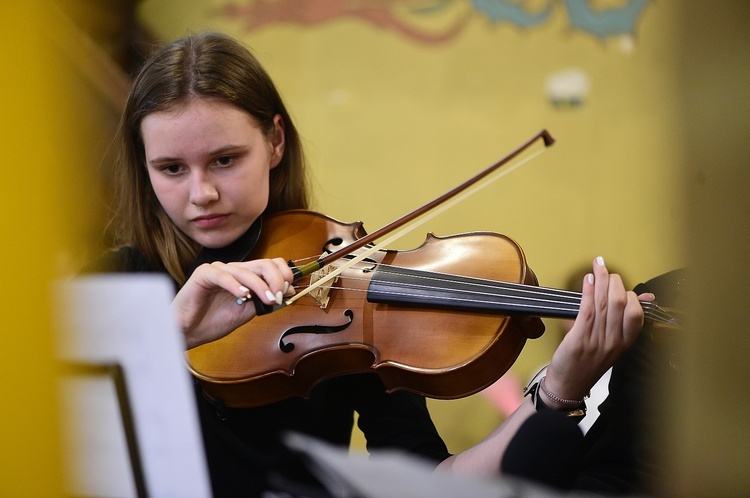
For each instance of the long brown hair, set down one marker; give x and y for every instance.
(208, 65)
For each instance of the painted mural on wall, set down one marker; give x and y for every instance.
(598, 18)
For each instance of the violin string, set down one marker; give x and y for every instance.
(555, 299)
(652, 311)
(534, 298)
(538, 294)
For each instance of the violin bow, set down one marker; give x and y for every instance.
(454, 195)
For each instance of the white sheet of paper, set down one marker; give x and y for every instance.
(125, 319)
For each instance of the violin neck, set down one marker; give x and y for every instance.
(409, 286)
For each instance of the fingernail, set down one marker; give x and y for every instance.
(270, 296)
(246, 297)
(600, 261)
(590, 278)
(286, 287)
(279, 297)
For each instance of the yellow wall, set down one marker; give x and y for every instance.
(390, 123)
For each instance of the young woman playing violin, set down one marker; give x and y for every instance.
(207, 150)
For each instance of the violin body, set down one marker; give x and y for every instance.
(433, 351)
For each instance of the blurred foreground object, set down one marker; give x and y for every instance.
(707, 435)
(132, 425)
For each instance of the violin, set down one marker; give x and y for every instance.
(444, 320)
(438, 351)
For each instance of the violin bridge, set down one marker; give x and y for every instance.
(320, 293)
